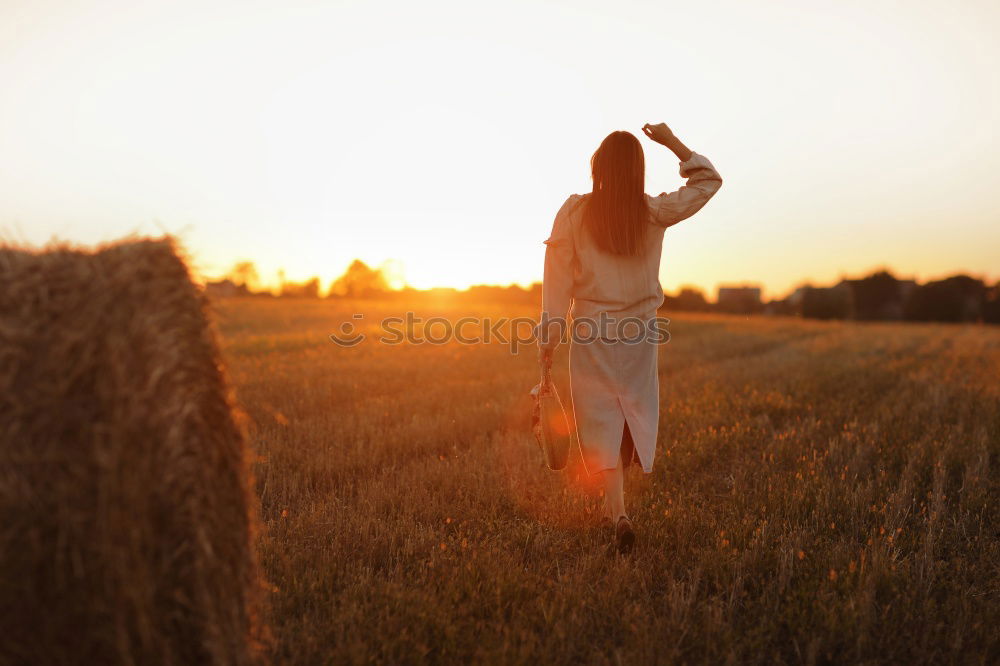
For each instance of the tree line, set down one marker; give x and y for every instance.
(879, 296)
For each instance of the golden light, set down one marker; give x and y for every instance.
(443, 136)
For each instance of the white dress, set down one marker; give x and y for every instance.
(614, 382)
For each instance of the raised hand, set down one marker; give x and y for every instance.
(659, 133)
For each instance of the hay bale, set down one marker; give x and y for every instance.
(125, 516)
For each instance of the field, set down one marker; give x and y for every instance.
(822, 492)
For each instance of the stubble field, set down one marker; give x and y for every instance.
(822, 492)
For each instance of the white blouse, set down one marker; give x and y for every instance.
(583, 281)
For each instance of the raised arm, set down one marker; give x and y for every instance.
(703, 181)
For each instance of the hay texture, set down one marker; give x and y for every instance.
(125, 520)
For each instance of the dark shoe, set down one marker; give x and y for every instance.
(624, 536)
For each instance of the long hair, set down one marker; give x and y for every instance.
(616, 214)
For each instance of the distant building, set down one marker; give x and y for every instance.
(780, 307)
(739, 300)
(225, 289)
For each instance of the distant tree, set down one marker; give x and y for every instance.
(792, 303)
(359, 281)
(827, 302)
(991, 305)
(688, 299)
(958, 298)
(244, 274)
(307, 289)
(878, 296)
(743, 299)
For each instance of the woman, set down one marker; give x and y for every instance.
(603, 258)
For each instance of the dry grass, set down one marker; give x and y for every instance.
(125, 522)
(823, 492)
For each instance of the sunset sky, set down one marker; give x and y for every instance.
(441, 138)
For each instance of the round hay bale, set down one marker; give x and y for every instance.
(126, 520)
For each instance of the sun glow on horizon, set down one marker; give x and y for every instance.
(442, 138)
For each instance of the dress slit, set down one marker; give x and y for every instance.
(627, 450)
